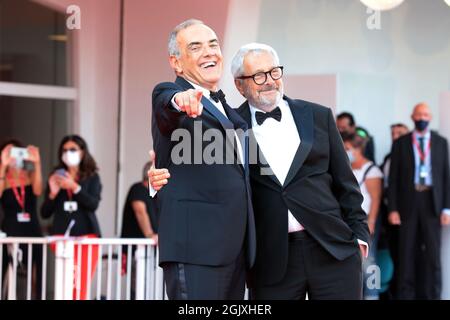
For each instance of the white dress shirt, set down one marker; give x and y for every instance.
(279, 142)
(427, 165)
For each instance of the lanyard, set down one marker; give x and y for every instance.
(19, 197)
(422, 155)
(69, 192)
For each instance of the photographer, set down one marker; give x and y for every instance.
(20, 185)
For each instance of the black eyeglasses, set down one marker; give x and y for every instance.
(261, 77)
(71, 149)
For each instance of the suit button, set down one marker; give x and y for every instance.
(284, 193)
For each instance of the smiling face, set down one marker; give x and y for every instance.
(200, 59)
(265, 96)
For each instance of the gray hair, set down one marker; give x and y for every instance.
(174, 50)
(237, 64)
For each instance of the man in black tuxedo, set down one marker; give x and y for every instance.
(309, 221)
(419, 202)
(206, 228)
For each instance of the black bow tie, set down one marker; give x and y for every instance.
(262, 116)
(218, 96)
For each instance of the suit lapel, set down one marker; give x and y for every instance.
(304, 121)
(433, 160)
(410, 156)
(241, 128)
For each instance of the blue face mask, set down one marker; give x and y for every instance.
(350, 155)
(421, 125)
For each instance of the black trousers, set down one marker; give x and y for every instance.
(312, 270)
(420, 251)
(198, 282)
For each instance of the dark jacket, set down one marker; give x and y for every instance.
(401, 175)
(88, 200)
(206, 215)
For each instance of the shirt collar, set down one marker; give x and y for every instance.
(426, 135)
(206, 92)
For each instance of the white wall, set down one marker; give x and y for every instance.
(242, 27)
(383, 73)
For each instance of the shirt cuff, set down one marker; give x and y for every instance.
(174, 104)
(77, 190)
(366, 245)
(152, 192)
(446, 211)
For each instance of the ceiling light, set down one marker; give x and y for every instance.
(382, 5)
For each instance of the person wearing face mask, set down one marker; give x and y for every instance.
(369, 178)
(74, 190)
(20, 185)
(346, 126)
(419, 203)
(72, 197)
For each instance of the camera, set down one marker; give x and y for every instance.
(19, 154)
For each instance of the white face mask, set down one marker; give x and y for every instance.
(71, 158)
(350, 155)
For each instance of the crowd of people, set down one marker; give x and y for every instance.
(71, 198)
(406, 201)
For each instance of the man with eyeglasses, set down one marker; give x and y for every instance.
(310, 228)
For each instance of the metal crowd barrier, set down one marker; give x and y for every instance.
(84, 269)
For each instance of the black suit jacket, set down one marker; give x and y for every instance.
(85, 218)
(320, 190)
(401, 175)
(205, 210)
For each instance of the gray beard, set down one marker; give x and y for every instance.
(266, 105)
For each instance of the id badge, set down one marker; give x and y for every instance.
(70, 206)
(423, 172)
(23, 217)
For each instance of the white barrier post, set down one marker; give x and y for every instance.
(140, 272)
(64, 270)
(12, 273)
(159, 279)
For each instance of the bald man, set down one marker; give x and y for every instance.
(419, 202)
